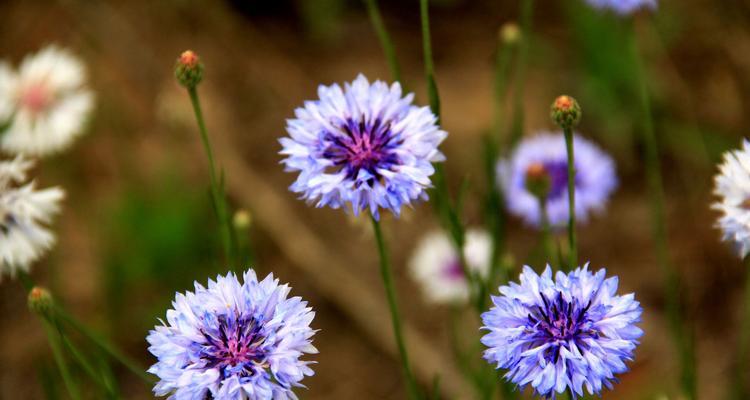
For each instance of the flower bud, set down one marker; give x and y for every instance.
(538, 181)
(566, 112)
(509, 33)
(40, 300)
(188, 69)
(242, 219)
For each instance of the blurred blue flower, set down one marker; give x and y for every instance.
(233, 340)
(365, 145)
(623, 7)
(732, 185)
(562, 334)
(594, 182)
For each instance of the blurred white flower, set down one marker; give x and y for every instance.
(45, 104)
(733, 188)
(435, 265)
(24, 212)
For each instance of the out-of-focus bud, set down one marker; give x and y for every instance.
(538, 181)
(40, 300)
(565, 112)
(242, 219)
(188, 69)
(509, 33)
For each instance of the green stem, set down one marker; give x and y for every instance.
(390, 291)
(527, 15)
(104, 344)
(573, 253)
(86, 365)
(217, 195)
(385, 39)
(740, 390)
(682, 338)
(546, 232)
(53, 337)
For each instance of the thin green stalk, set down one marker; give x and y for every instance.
(390, 290)
(546, 231)
(573, 253)
(740, 389)
(62, 364)
(429, 65)
(86, 365)
(502, 68)
(217, 195)
(385, 39)
(681, 336)
(104, 345)
(527, 16)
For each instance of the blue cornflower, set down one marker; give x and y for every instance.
(364, 145)
(623, 7)
(594, 182)
(561, 334)
(233, 340)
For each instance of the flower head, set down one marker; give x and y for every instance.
(595, 178)
(436, 265)
(623, 7)
(563, 333)
(565, 112)
(233, 340)
(733, 188)
(44, 104)
(363, 145)
(24, 212)
(188, 69)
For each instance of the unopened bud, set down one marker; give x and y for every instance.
(509, 33)
(40, 300)
(242, 219)
(188, 69)
(538, 181)
(565, 112)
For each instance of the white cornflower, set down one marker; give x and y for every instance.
(44, 105)
(24, 212)
(733, 189)
(435, 265)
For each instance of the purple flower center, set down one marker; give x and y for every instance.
(233, 345)
(453, 271)
(558, 175)
(558, 322)
(361, 145)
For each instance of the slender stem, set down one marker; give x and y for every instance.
(390, 291)
(527, 15)
(217, 195)
(103, 344)
(53, 337)
(429, 65)
(573, 253)
(85, 364)
(740, 390)
(682, 338)
(546, 232)
(385, 39)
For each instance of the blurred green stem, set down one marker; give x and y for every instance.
(217, 192)
(546, 232)
(447, 211)
(53, 337)
(527, 16)
(573, 253)
(86, 365)
(740, 389)
(681, 336)
(390, 290)
(385, 39)
(103, 344)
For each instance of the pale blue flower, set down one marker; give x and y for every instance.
(562, 334)
(623, 7)
(364, 145)
(594, 182)
(233, 341)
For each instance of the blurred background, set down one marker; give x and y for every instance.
(137, 223)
